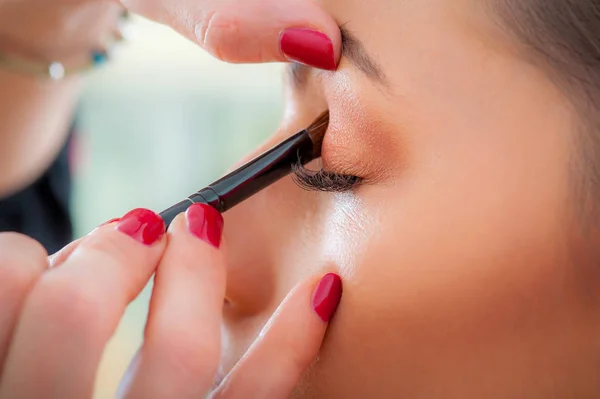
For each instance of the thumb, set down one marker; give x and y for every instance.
(252, 30)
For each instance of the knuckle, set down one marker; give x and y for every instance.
(72, 306)
(203, 27)
(220, 34)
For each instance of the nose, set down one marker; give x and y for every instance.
(260, 235)
(271, 243)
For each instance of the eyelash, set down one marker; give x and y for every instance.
(323, 180)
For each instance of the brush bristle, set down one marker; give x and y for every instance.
(317, 130)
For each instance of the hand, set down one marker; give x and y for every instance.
(55, 321)
(59, 29)
(231, 30)
(252, 31)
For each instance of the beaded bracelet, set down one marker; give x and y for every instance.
(56, 70)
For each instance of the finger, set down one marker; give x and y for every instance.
(287, 345)
(22, 261)
(73, 310)
(61, 256)
(252, 31)
(181, 352)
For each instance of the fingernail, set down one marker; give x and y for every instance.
(104, 224)
(110, 221)
(327, 296)
(206, 223)
(143, 225)
(308, 47)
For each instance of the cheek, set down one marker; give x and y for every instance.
(443, 290)
(457, 266)
(347, 229)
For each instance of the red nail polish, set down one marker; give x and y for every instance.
(110, 221)
(206, 223)
(327, 296)
(143, 225)
(308, 47)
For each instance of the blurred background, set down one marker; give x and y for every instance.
(156, 124)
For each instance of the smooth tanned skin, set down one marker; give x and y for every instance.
(459, 275)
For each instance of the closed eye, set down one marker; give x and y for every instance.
(323, 180)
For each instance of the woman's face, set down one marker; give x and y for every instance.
(459, 279)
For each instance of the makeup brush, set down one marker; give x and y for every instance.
(258, 173)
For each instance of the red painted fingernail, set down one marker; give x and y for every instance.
(206, 223)
(143, 225)
(110, 221)
(308, 47)
(327, 296)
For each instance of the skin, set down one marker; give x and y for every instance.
(35, 114)
(78, 302)
(458, 252)
(465, 274)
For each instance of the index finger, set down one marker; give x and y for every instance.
(182, 340)
(252, 31)
(287, 345)
(74, 309)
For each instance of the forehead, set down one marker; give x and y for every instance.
(399, 37)
(428, 30)
(387, 16)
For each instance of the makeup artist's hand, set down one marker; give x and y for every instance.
(252, 31)
(57, 314)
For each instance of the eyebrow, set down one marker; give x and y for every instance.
(354, 50)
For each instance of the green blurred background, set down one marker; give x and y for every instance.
(159, 122)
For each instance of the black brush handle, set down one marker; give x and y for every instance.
(170, 213)
(249, 178)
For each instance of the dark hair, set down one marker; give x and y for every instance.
(563, 37)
